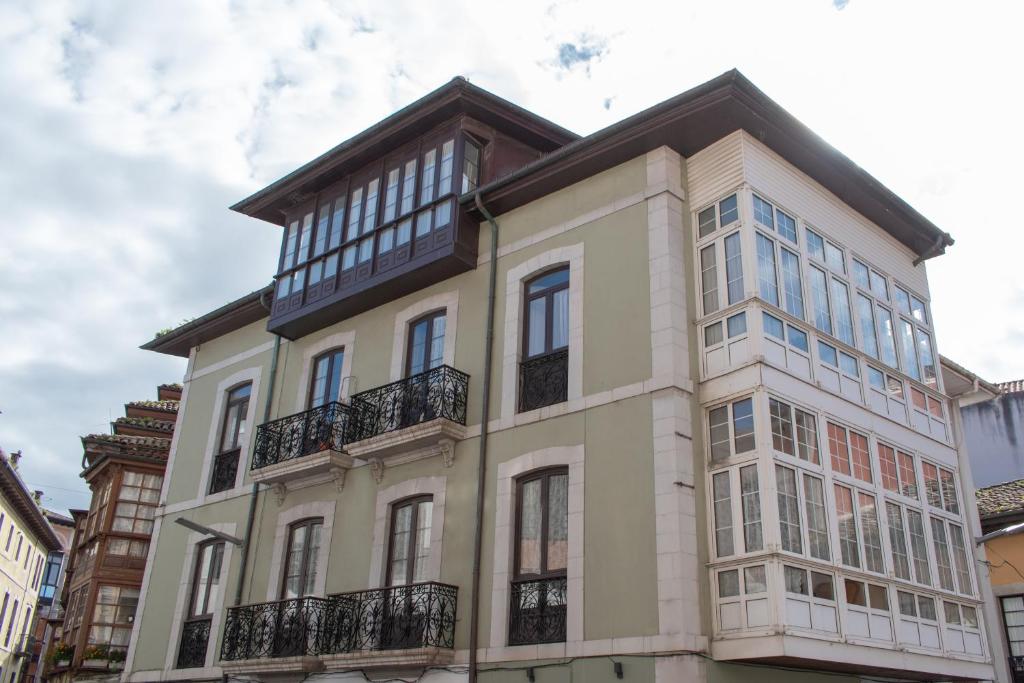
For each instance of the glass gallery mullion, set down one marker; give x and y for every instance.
(376, 213)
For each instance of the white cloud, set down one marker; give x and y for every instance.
(129, 127)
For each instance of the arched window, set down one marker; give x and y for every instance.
(545, 367)
(409, 541)
(206, 586)
(538, 592)
(225, 462)
(325, 386)
(426, 343)
(300, 563)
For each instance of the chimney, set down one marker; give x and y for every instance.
(15, 457)
(37, 496)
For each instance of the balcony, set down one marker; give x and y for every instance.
(195, 637)
(544, 380)
(424, 411)
(537, 613)
(398, 626)
(305, 444)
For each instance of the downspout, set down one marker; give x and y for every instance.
(485, 412)
(255, 485)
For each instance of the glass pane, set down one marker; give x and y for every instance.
(924, 348)
(786, 225)
(552, 279)
(834, 258)
(404, 232)
(827, 354)
(400, 532)
(536, 319)
(841, 307)
(886, 337)
(821, 585)
(558, 522)
(713, 334)
(530, 527)
(437, 341)
(427, 182)
(796, 580)
(728, 583)
(767, 281)
(753, 538)
(898, 540)
(918, 310)
(878, 597)
(918, 547)
(838, 449)
(866, 323)
(797, 338)
(860, 275)
(743, 425)
(391, 195)
(366, 250)
(815, 245)
(471, 167)
(733, 268)
(763, 212)
(560, 319)
(386, 241)
(847, 526)
(723, 514)
(855, 594)
(706, 222)
(718, 420)
(941, 547)
(423, 219)
(773, 327)
(728, 211)
(354, 212)
(408, 187)
(444, 185)
(879, 286)
(819, 300)
(908, 605)
(860, 457)
(782, 426)
(424, 514)
(872, 536)
(709, 279)
(948, 488)
(418, 347)
(754, 580)
(737, 325)
(789, 510)
(817, 522)
(807, 436)
(793, 298)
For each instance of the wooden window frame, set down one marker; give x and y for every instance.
(229, 403)
(332, 356)
(543, 475)
(308, 523)
(430, 319)
(548, 294)
(200, 549)
(410, 568)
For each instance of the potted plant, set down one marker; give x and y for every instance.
(115, 659)
(60, 654)
(95, 656)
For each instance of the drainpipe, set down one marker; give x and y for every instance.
(255, 485)
(485, 411)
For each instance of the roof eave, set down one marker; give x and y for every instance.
(232, 316)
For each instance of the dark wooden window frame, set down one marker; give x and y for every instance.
(543, 475)
(410, 568)
(331, 355)
(200, 549)
(379, 170)
(429, 318)
(1002, 618)
(228, 405)
(548, 294)
(309, 523)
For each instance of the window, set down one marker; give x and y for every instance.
(940, 488)
(815, 245)
(838, 448)
(897, 471)
(872, 537)
(841, 308)
(918, 547)
(538, 594)
(137, 500)
(710, 220)
(860, 275)
(792, 289)
(722, 502)
(827, 354)
(834, 258)
(909, 350)
(709, 279)
(113, 615)
(819, 299)
(51, 576)
(764, 213)
(961, 562)
(797, 338)
(122, 547)
(847, 526)
(924, 348)
(767, 280)
(326, 385)
(773, 327)
(817, 522)
(736, 325)
(941, 545)
(225, 463)
(733, 268)
(427, 180)
(206, 584)
(741, 440)
(794, 431)
(409, 542)
(10, 624)
(544, 371)
(867, 595)
(861, 456)
(426, 343)
(753, 538)
(1013, 619)
(301, 558)
(789, 509)
(470, 167)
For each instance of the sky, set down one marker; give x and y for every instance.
(128, 128)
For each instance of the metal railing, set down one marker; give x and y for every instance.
(544, 381)
(225, 471)
(195, 637)
(437, 393)
(420, 615)
(1017, 669)
(537, 611)
(329, 426)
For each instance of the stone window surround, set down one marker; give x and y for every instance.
(515, 279)
(323, 508)
(185, 594)
(432, 486)
(252, 375)
(504, 531)
(447, 301)
(345, 340)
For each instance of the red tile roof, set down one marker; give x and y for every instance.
(1000, 499)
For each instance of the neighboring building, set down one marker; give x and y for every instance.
(26, 539)
(104, 571)
(994, 432)
(709, 441)
(48, 610)
(1002, 506)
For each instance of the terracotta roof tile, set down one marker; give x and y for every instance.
(167, 406)
(1001, 498)
(147, 423)
(133, 442)
(1014, 387)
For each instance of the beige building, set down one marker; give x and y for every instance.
(657, 404)
(26, 538)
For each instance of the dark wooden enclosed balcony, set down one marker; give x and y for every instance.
(307, 443)
(420, 410)
(400, 625)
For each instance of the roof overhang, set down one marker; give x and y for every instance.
(456, 97)
(227, 318)
(19, 499)
(697, 118)
(963, 385)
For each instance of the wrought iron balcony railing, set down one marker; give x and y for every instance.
(329, 426)
(286, 628)
(195, 637)
(437, 393)
(544, 381)
(537, 611)
(421, 615)
(225, 471)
